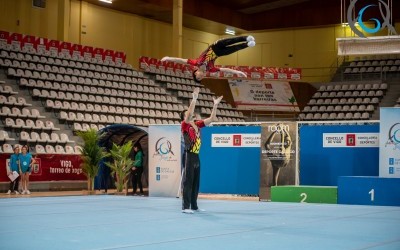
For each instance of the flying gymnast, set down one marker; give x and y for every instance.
(205, 62)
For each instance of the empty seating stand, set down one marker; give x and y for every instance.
(344, 101)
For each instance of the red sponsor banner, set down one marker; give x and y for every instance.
(49, 167)
(87, 52)
(19, 41)
(4, 37)
(76, 50)
(29, 42)
(15, 40)
(53, 46)
(98, 53)
(65, 48)
(41, 44)
(108, 55)
(119, 57)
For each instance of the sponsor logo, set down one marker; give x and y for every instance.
(350, 140)
(237, 140)
(384, 21)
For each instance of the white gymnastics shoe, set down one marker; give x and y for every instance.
(250, 38)
(251, 44)
(187, 211)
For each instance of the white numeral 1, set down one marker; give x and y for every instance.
(304, 195)
(372, 193)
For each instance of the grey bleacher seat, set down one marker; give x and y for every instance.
(332, 116)
(357, 115)
(50, 149)
(24, 136)
(39, 149)
(44, 138)
(77, 127)
(354, 108)
(59, 149)
(69, 149)
(352, 87)
(340, 116)
(375, 100)
(366, 100)
(34, 137)
(370, 107)
(54, 138)
(349, 116)
(365, 116)
(85, 126)
(7, 148)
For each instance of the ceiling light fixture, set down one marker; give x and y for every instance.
(106, 1)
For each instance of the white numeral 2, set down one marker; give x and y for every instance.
(372, 193)
(304, 195)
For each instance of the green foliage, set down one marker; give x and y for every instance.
(121, 164)
(292, 100)
(91, 154)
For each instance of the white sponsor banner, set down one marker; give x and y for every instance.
(235, 140)
(339, 140)
(164, 160)
(263, 95)
(389, 144)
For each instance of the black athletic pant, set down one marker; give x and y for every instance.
(137, 179)
(14, 184)
(226, 46)
(191, 181)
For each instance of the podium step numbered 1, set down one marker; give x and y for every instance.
(369, 190)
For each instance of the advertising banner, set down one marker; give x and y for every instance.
(389, 144)
(235, 140)
(230, 160)
(278, 156)
(49, 167)
(328, 151)
(263, 95)
(339, 140)
(164, 160)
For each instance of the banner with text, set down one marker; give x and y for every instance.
(339, 140)
(278, 156)
(164, 160)
(389, 145)
(49, 167)
(235, 140)
(263, 95)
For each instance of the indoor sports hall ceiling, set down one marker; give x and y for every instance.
(244, 15)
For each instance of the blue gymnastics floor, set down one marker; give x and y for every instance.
(126, 222)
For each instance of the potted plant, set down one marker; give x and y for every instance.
(91, 155)
(121, 164)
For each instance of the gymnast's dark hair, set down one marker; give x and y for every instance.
(194, 76)
(138, 145)
(182, 115)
